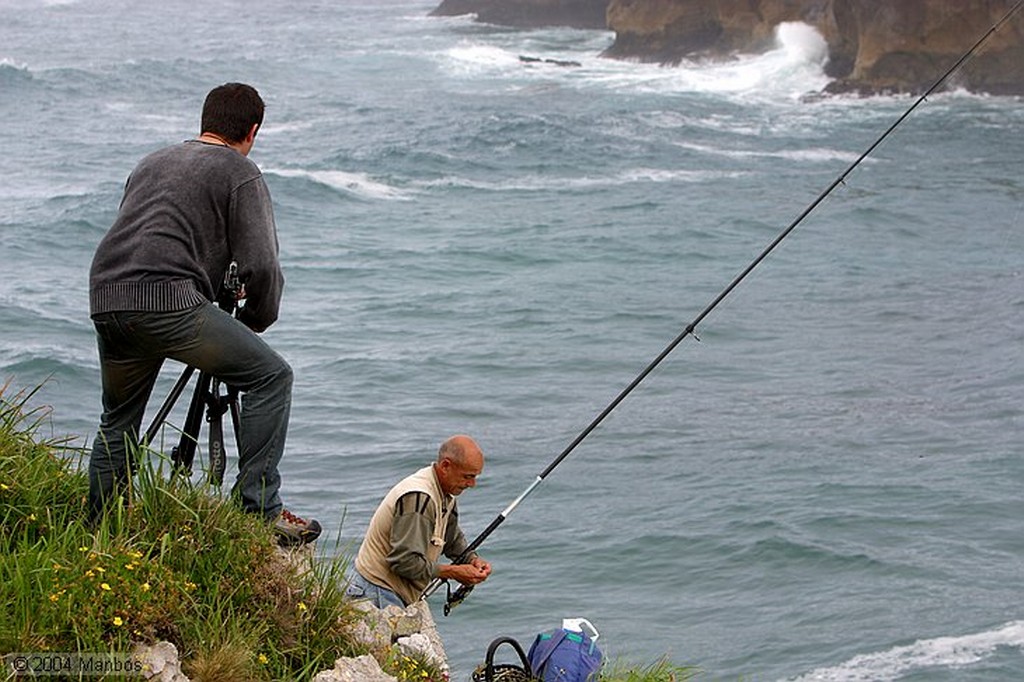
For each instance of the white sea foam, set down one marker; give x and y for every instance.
(35, 4)
(475, 57)
(546, 183)
(940, 652)
(357, 184)
(10, 63)
(813, 155)
(284, 128)
(792, 69)
(802, 43)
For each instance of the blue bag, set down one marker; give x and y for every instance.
(564, 656)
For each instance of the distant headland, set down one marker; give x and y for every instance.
(875, 46)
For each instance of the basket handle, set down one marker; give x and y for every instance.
(489, 671)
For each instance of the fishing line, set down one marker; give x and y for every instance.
(456, 598)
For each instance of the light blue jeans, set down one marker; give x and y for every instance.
(361, 588)
(132, 348)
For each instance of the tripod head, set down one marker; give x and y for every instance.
(230, 290)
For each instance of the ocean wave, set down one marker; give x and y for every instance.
(48, 360)
(812, 155)
(271, 129)
(12, 72)
(29, 5)
(794, 68)
(60, 313)
(952, 652)
(545, 184)
(781, 551)
(355, 184)
(473, 58)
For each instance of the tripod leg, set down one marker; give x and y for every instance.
(165, 409)
(218, 453)
(235, 419)
(215, 416)
(185, 452)
(235, 416)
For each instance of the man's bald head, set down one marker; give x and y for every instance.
(459, 461)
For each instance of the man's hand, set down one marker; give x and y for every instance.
(472, 573)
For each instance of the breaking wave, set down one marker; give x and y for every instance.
(939, 652)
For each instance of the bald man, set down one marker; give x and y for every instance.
(415, 524)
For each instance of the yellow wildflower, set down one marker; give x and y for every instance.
(54, 597)
(300, 607)
(144, 587)
(262, 658)
(117, 621)
(3, 486)
(105, 587)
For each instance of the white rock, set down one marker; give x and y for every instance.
(160, 662)
(362, 669)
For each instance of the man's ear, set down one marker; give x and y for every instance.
(251, 137)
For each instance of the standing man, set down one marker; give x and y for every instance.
(187, 212)
(417, 521)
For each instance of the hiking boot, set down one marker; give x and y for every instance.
(292, 530)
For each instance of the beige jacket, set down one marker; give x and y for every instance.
(371, 561)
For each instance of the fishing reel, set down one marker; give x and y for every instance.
(455, 598)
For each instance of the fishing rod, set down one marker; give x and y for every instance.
(455, 598)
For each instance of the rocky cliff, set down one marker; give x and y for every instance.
(874, 45)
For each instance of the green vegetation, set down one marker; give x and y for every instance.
(180, 563)
(661, 671)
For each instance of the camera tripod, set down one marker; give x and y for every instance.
(207, 394)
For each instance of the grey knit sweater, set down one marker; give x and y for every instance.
(189, 210)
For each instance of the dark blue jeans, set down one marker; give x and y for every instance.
(133, 347)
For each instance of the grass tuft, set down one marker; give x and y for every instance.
(660, 671)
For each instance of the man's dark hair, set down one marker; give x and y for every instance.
(231, 110)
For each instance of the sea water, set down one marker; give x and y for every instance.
(824, 483)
